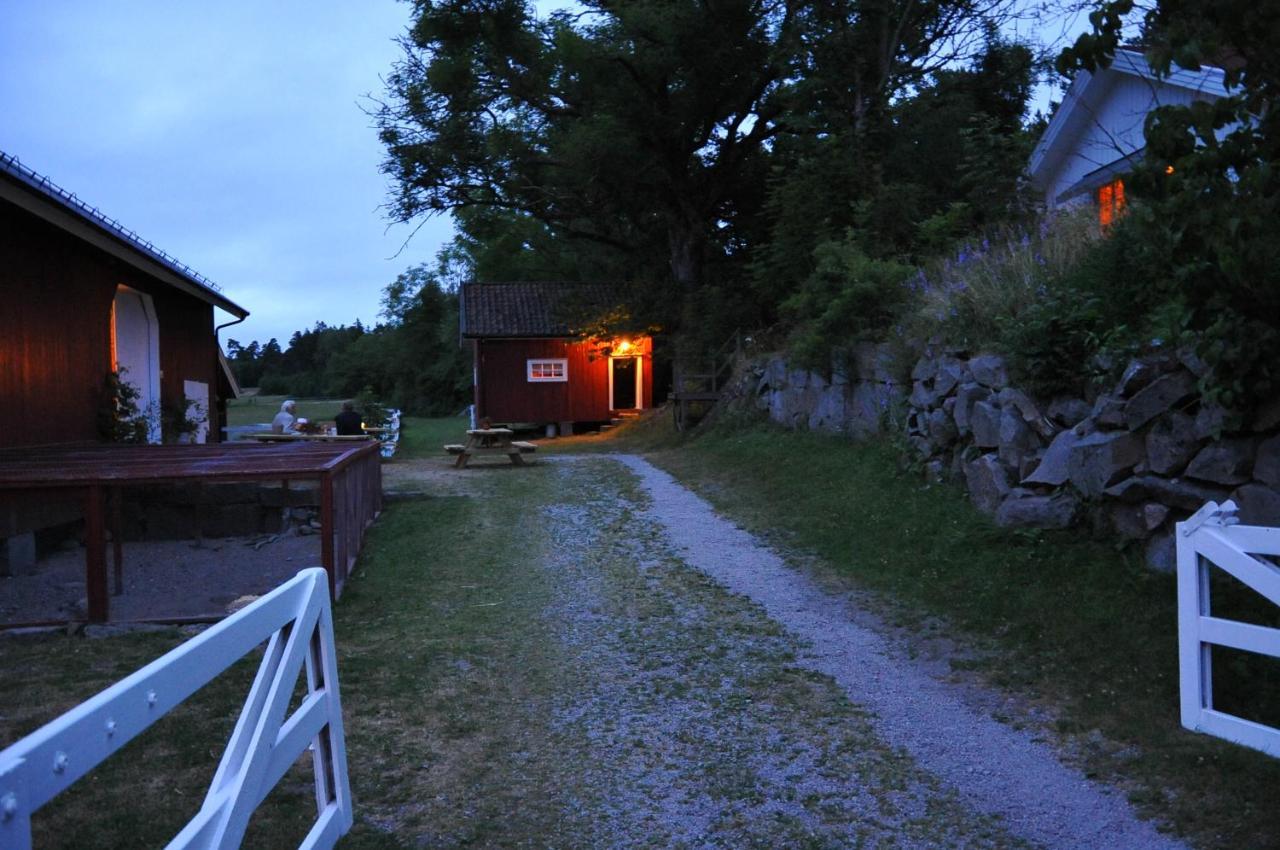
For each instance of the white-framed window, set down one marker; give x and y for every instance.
(547, 370)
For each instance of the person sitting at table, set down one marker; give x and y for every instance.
(284, 421)
(348, 422)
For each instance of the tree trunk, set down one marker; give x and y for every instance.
(687, 246)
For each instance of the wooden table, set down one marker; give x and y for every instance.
(300, 438)
(482, 442)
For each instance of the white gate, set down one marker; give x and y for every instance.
(296, 622)
(1213, 538)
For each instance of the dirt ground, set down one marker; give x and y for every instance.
(177, 578)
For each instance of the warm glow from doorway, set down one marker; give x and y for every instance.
(115, 360)
(622, 347)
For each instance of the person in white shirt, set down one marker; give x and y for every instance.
(285, 420)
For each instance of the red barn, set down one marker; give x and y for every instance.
(81, 297)
(531, 367)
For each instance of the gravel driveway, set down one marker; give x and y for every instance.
(992, 767)
(648, 675)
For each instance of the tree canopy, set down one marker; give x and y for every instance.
(643, 136)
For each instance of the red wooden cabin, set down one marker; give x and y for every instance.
(81, 297)
(530, 366)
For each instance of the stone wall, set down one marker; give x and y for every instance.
(1128, 462)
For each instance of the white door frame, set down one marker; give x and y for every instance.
(639, 379)
(149, 395)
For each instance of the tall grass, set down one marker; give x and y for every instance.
(967, 298)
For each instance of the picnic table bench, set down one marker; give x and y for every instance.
(482, 442)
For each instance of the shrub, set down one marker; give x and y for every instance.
(848, 297)
(120, 419)
(970, 299)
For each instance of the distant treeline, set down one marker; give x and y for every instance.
(412, 360)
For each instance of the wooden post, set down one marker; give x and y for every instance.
(95, 557)
(117, 544)
(341, 528)
(326, 532)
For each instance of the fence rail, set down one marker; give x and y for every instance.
(295, 621)
(1213, 538)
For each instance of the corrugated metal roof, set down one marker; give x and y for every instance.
(42, 186)
(533, 309)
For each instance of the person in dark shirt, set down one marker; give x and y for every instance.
(348, 421)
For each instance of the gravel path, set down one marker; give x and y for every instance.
(993, 768)
(684, 719)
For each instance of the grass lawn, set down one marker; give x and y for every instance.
(255, 410)
(440, 625)
(1074, 624)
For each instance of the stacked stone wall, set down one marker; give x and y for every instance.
(1129, 461)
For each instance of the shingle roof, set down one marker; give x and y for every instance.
(540, 309)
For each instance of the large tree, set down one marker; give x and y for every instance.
(645, 127)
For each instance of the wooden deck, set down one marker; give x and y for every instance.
(350, 479)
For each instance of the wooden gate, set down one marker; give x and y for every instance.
(296, 623)
(1213, 538)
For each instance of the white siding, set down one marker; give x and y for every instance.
(1101, 121)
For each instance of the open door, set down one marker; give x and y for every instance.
(625, 387)
(135, 351)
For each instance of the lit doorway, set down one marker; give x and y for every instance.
(625, 387)
(135, 351)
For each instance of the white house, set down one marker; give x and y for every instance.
(1096, 135)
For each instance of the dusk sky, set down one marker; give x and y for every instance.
(230, 134)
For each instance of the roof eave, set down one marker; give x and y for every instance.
(1087, 87)
(39, 203)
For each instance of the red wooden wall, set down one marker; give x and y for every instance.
(55, 350)
(504, 393)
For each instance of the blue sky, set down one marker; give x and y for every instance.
(229, 133)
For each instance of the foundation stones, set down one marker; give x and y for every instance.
(990, 371)
(1225, 462)
(988, 483)
(1171, 443)
(1157, 397)
(1098, 460)
(984, 422)
(1056, 511)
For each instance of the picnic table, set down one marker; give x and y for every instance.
(482, 442)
